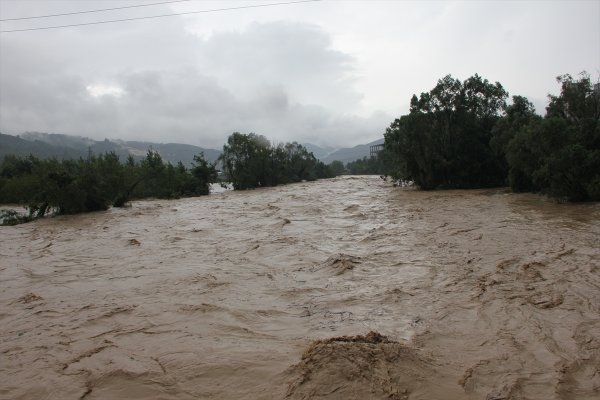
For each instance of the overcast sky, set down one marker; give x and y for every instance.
(330, 72)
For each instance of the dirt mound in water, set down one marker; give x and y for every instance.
(360, 367)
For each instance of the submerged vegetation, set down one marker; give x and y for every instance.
(458, 135)
(251, 161)
(464, 135)
(73, 186)
(374, 165)
(96, 183)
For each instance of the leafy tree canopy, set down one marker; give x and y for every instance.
(464, 135)
(560, 154)
(444, 141)
(250, 161)
(98, 182)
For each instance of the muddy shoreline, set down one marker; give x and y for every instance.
(483, 294)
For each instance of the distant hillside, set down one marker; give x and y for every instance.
(45, 145)
(319, 152)
(174, 151)
(21, 147)
(351, 154)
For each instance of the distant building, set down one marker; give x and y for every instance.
(375, 149)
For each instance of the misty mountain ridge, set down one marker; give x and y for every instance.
(45, 145)
(344, 154)
(347, 155)
(62, 146)
(319, 152)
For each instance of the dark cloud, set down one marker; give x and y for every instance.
(195, 79)
(280, 79)
(298, 56)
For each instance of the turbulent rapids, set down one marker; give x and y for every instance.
(339, 289)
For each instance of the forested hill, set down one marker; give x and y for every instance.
(346, 155)
(45, 145)
(48, 145)
(17, 146)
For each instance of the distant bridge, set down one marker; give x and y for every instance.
(375, 149)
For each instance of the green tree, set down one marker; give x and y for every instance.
(96, 183)
(250, 161)
(444, 142)
(153, 174)
(16, 178)
(204, 174)
(300, 163)
(337, 167)
(374, 165)
(245, 160)
(68, 187)
(518, 115)
(560, 155)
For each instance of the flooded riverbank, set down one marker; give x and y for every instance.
(479, 294)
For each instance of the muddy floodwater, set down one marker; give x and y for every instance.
(338, 289)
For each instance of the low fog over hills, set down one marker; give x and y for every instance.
(65, 146)
(61, 146)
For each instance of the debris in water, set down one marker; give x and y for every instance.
(29, 298)
(341, 263)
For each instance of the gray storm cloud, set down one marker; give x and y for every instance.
(298, 56)
(312, 72)
(279, 79)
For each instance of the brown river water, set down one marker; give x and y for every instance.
(272, 293)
